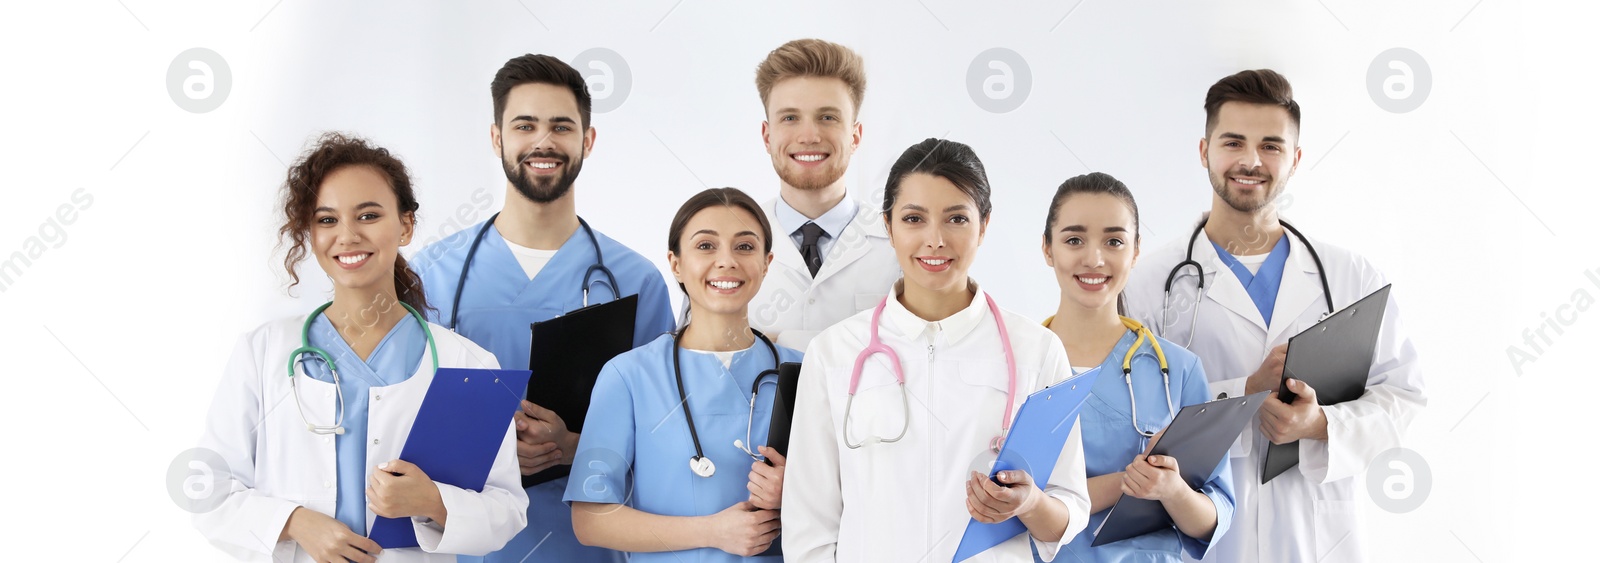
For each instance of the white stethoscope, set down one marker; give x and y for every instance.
(1200, 280)
(700, 464)
(875, 345)
(298, 355)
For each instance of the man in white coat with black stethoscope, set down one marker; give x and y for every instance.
(836, 261)
(1262, 287)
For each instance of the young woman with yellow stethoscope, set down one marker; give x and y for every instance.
(898, 404)
(306, 460)
(1091, 240)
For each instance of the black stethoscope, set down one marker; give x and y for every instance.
(700, 464)
(1200, 281)
(600, 264)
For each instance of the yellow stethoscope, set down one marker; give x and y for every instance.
(1127, 369)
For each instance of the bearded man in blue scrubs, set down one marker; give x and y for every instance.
(533, 263)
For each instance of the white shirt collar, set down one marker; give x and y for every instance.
(955, 327)
(832, 222)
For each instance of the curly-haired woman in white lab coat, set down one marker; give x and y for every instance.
(886, 476)
(309, 467)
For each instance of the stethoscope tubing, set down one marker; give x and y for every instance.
(701, 464)
(296, 356)
(472, 252)
(1200, 277)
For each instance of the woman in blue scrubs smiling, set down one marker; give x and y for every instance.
(1091, 240)
(676, 417)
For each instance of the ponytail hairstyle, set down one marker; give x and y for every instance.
(333, 151)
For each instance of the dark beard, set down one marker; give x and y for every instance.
(542, 190)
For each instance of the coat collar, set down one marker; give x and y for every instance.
(955, 327)
(1295, 292)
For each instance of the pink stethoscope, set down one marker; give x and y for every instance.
(875, 345)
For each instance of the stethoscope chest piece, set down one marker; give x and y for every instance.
(702, 466)
(699, 463)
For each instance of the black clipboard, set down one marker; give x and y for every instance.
(780, 423)
(565, 357)
(783, 407)
(1198, 438)
(1334, 357)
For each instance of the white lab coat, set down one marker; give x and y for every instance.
(792, 306)
(906, 501)
(275, 465)
(1308, 513)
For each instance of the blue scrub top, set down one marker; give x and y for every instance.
(395, 360)
(1262, 286)
(498, 306)
(500, 302)
(636, 445)
(1110, 444)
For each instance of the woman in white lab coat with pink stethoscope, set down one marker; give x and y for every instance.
(898, 405)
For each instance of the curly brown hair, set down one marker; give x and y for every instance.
(333, 151)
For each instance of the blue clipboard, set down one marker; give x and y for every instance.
(457, 434)
(1040, 431)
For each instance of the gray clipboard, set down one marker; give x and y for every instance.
(1199, 437)
(1334, 357)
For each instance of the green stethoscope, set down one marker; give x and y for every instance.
(298, 356)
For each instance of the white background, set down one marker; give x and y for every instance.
(116, 334)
